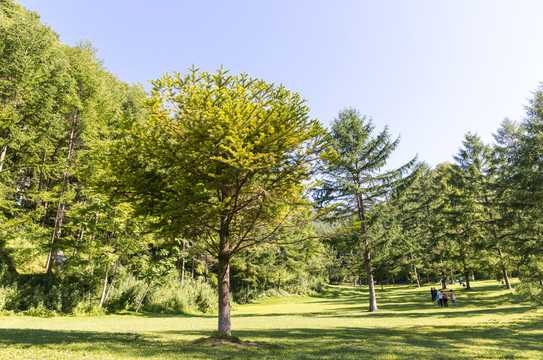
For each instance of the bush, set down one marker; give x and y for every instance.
(39, 310)
(88, 307)
(125, 296)
(46, 294)
(7, 293)
(174, 298)
(78, 293)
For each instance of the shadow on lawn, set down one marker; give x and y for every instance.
(399, 312)
(509, 341)
(298, 343)
(404, 298)
(403, 301)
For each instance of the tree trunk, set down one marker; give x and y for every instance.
(416, 276)
(42, 177)
(56, 234)
(496, 239)
(104, 289)
(367, 253)
(143, 297)
(468, 286)
(247, 274)
(371, 283)
(192, 269)
(443, 282)
(247, 289)
(504, 270)
(94, 230)
(183, 264)
(78, 240)
(224, 295)
(112, 279)
(443, 277)
(3, 156)
(224, 279)
(61, 206)
(206, 268)
(44, 214)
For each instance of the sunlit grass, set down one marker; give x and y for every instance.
(490, 323)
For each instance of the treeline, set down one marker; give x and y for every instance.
(479, 217)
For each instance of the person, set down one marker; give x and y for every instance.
(452, 295)
(438, 298)
(444, 299)
(460, 281)
(433, 292)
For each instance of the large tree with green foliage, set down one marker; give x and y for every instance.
(221, 159)
(524, 196)
(354, 180)
(465, 199)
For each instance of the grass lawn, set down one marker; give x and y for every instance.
(489, 323)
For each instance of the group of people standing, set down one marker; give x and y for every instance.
(442, 299)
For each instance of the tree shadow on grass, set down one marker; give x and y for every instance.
(404, 298)
(151, 315)
(456, 342)
(393, 312)
(362, 312)
(404, 302)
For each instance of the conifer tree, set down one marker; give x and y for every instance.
(354, 181)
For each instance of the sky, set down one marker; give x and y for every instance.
(430, 70)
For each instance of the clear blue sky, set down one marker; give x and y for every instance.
(430, 70)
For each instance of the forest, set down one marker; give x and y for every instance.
(213, 189)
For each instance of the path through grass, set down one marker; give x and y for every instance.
(490, 323)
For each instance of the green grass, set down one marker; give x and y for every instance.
(490, 323)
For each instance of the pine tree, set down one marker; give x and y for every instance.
(354, 181)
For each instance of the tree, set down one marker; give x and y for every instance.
(465, 200)
(525, 194)
(222, 158)
(33, 82)
(353, 179)
(474, 163)
(505, 214)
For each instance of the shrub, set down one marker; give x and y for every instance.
(44, 294)
(39, 310)
(125, 296)
(87, 306)
(172, 297)
(7, 293)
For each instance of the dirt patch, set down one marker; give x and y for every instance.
(220, 341)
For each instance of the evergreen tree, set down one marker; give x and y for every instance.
(354, 181)
(525, 196)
